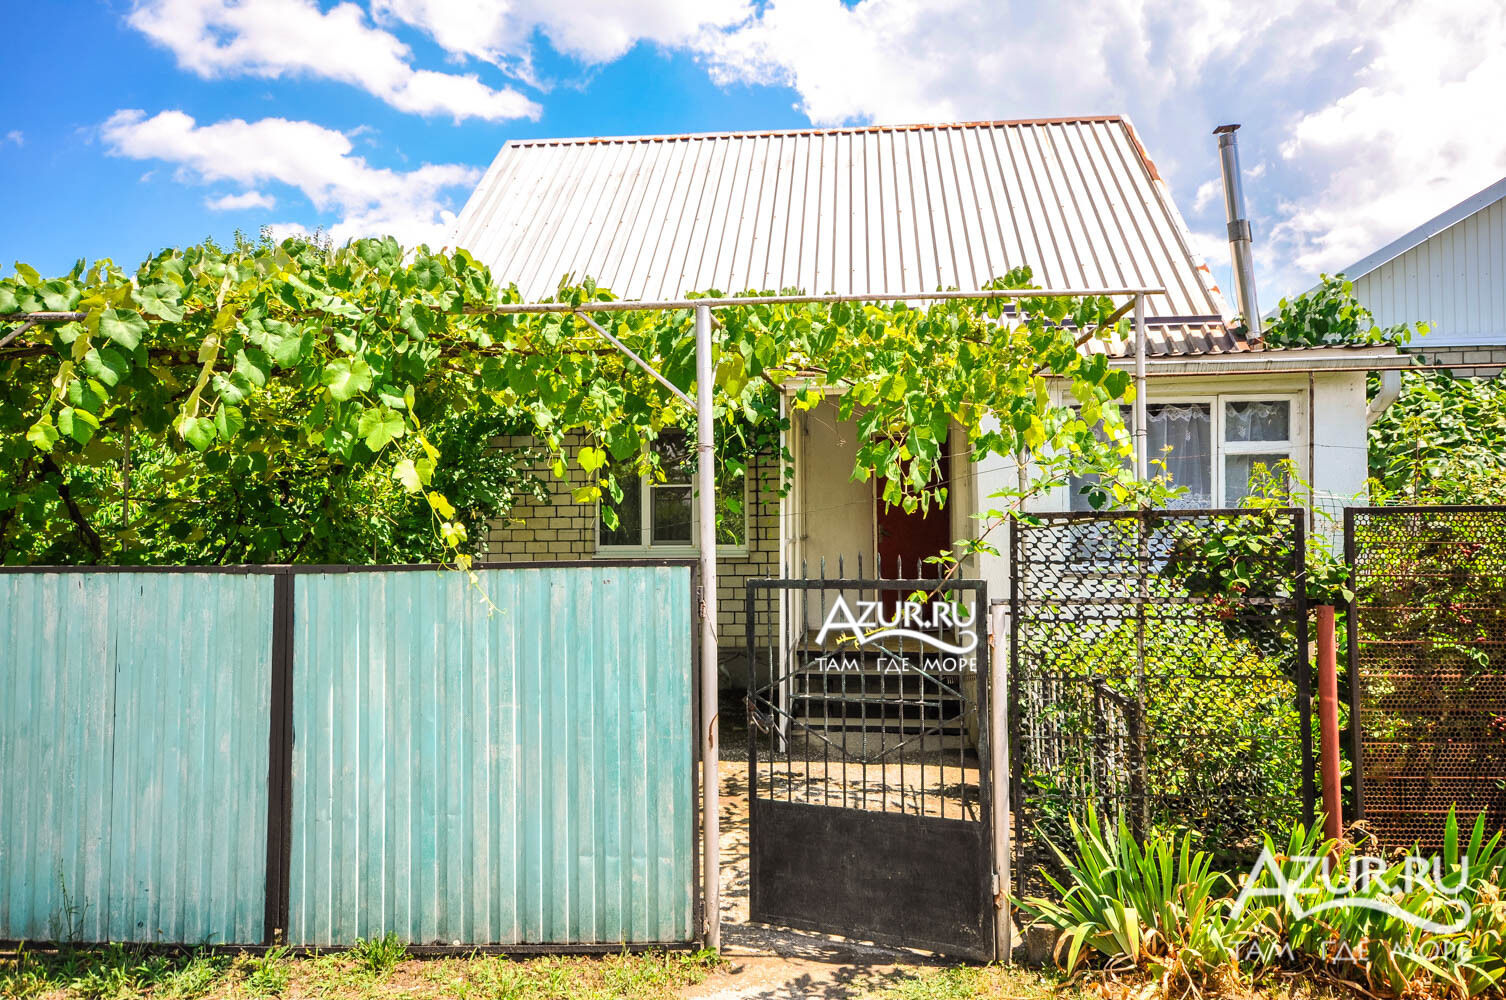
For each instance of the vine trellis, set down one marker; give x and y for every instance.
(245, 358)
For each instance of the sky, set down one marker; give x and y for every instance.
(131, 125)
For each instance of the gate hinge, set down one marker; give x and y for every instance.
(700, 602)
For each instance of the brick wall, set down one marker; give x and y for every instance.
(1462, 356)
(561, 529)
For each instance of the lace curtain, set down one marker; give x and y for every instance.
(1187, 430)
(1255, 421)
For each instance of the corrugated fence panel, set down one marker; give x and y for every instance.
(499, 762)
(134, 739)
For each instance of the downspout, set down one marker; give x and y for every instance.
(1239, 230)
(1390, 389)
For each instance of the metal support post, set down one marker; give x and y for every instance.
(710, 786)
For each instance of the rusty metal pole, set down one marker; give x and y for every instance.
(711, 826)
(1328, 723)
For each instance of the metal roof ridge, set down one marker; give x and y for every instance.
(834, 130)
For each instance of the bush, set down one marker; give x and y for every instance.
(1161, 909)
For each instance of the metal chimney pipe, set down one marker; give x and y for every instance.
(1239, 229)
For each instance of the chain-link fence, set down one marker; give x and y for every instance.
(1159, 671)
(1428, 644)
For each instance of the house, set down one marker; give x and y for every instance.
(890, 209)
(1449, 272)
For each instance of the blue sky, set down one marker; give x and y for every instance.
(130, 126)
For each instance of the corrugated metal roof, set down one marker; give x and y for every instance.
(851, 210)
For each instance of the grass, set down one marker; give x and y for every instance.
(379, 969)
(382, 970)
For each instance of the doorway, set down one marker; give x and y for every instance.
(905, 540)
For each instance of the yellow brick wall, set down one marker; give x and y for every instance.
(561, 529)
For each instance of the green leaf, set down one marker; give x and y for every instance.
(252, 365)
(125, 328)
(108, 365)
(77, 424)
(346, 378)
(228, 422)
(197, 431)
(42, 435)
(591, 458)
(163, 300)
(406, 473)
(379, 426)
(441, 506)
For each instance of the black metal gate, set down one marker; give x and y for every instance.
(1159, 672)
(1427, 640)
(868, 761)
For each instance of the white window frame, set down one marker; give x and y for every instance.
(648, 548)
(1291, 448)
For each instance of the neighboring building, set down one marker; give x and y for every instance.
(889, 209)
(1449, 272)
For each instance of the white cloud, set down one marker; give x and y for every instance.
(1207, 194)
(279, 231)
(275, 38)
(240, 202)
(1417, 134)
(16, 136)
(1359, 124)
(411, 205)
(595, 31)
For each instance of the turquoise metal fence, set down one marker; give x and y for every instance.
(133, 749)
(318, 756)
(501, 761)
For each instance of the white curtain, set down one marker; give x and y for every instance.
(1187, 431)
(1256, 421)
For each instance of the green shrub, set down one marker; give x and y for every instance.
(1161, 908)
(1158, 906)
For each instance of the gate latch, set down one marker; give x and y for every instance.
(757, 719)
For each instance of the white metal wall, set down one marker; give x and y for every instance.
(1455, 281)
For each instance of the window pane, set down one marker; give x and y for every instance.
(671, 514)
(1180, 435)
(1257, 421)
(676, 456)
(629, 530)
(1237, 472)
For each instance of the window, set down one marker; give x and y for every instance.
(661, 513)
(1197, 437)
(1256, 432)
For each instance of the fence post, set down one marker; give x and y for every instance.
(1328, 723)
(998, 766)
(280, 762)
(710, 749)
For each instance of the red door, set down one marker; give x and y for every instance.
(906, 541)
